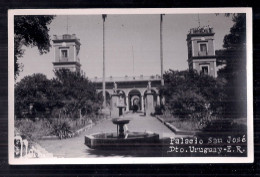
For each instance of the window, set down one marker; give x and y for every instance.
(203, 47)
(64, 53)
(205, 69)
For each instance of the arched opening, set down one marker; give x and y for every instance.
(154, 96)
(122, 96)
(153, 92)
(134, 100)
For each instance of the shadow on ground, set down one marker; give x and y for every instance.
(155, 150)
(165, 149)
(130, 152)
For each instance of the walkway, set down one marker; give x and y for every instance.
(75, 147)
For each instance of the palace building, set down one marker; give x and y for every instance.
(134, 89)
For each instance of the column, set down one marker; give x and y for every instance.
(158, 100)
(215, 68)
(55, 58)
(114, 104)
(149, 107)
(127, 104)
(75, 59)
(142, 103)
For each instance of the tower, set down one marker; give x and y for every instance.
(201, 52)
(66, 52)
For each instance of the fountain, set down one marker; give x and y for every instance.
(121, 138)
(120, 123)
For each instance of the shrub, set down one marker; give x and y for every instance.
(227, 127)
(187, 104)
(62, 128)
(224, 125)
(159, 109)
(33, 129)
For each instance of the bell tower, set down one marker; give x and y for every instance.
(201, 52)
(66, 52)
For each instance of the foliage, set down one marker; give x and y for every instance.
(33, 129)
(159, 109)
(185, 125)
(224, 125)
(30, 30)
(78, 93)
(189, 95)
(233, 57)
(187, 104)
(69, 95)
(227, 127)
(62, 128)
(36, 91)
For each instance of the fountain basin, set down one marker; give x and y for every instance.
(119, 121)
(112, 140)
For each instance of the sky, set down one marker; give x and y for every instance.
(132, 43)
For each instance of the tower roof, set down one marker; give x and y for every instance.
(66, 38)
(201, 31)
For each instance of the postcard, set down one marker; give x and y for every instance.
(130, 86)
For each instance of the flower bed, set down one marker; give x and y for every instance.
(60, 127)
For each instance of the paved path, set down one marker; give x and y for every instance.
(75, 147)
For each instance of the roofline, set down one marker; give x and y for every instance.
(121, 81)
(66, 40)
(203, 57)
(199, 34)
(66, 63)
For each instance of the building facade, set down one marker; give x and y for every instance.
(201, 50)
(134, 89)
(66, 52)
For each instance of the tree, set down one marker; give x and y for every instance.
(33, 96)
(233, 57)
(188, 94)
(78, 93)
(30, 30)
(66, 95)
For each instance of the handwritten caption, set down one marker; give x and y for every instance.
(211, 145)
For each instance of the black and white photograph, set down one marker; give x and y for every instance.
(130, 86)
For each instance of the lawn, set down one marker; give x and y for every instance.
(191, 125)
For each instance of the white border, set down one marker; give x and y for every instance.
(131, 160)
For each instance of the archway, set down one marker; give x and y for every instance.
(134, 100)
(122, 96)
(154, 96)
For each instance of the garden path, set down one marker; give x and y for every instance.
(75, 147)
